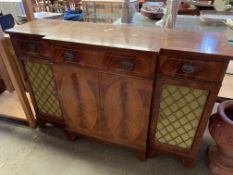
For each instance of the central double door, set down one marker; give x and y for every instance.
(106, 106)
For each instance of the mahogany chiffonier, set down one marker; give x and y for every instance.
(147, 89)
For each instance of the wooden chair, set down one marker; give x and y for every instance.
(75, 4)
(58, 6)
(42, 6)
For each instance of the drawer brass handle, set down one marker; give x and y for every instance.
(68, 55)
(127, 65)
(187, 68)
(32, 47)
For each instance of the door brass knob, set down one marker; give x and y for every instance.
(187, 68)
(68, 56)
(32, 47)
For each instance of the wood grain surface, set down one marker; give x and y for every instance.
(125, 36)
(110, 78)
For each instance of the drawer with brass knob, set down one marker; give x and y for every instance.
(135, 63)
(190, 68)
(141, 64)
(31, 47)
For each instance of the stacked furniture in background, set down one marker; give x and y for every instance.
(57, 6)
(105, 11)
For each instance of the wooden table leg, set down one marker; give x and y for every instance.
(16, 79)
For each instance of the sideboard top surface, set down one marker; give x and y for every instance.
(127, 37)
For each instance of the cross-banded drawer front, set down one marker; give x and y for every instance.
(43, 88)
(180, 111)
(91, 58)
(136, 64)
(32, 47)
(106, 60)
(191, 68)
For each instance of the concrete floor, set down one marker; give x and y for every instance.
(25, 151)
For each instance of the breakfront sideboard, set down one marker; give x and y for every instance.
(147, 89)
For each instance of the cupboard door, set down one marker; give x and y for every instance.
(180, 112)
(125, 105)
(79, 93)
(43, 90)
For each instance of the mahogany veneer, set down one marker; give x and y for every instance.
(147, 89)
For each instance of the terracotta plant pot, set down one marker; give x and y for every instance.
(221, 129)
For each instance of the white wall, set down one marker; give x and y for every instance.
(13, 7)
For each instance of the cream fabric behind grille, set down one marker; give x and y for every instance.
(43, 87)
(179, 114)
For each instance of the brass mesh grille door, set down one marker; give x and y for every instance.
(179, 115)
(43, 88)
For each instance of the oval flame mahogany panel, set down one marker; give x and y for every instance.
(79, 92)
(125, 107)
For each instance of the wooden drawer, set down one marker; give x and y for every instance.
(135, 63)
(191, 68)
(81, 56)
(31, 47)
(107, 59)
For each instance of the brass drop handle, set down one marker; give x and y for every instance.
(32, 47)
(127, 65)
(187, 68)
(69, 55)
